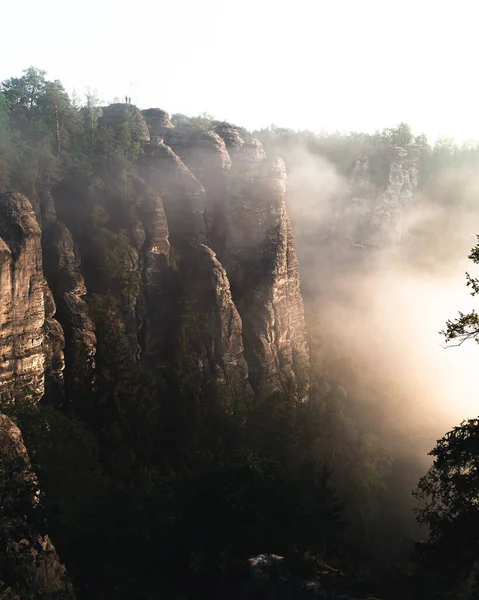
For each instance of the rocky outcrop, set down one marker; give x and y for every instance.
(248, 227)
(260, 259)
(53, 348)
(219, 202)
(202, 283)
(374, 215)
(204, 152)
(158, 122)
(30, 567)
(22, 303)
(156, 295)
(219, 343)
(62, 269)
(244, 220)
(231, 137)
(360, 178)
(388, 213)
(118, 114)
(182, 194)
(206, 156)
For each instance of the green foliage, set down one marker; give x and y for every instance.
(116, 260)
(202, 122)
(161, 485)
(398, 136)
(447, 562)
(466, 325)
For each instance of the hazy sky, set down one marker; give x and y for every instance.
(317, 64)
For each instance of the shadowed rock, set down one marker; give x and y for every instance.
(62, 268)
(30, 564)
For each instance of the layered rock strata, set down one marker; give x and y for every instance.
(248, 228)
(22, 304)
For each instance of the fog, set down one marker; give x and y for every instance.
(385, 307)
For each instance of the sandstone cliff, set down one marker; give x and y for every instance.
(378, 213)
(30, 567)
(23, 326)
(202, 284)
(200, 228)
(62, 268)
(248, 227)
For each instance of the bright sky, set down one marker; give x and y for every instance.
(316, 64)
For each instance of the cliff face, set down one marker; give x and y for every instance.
(260, 257)
(62, 268)
(248, 227)
(128, 116)
(200, 229)
(30, 564)
(380, 213)
(201, 281)
(23, 324)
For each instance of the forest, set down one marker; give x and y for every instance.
(157, 484)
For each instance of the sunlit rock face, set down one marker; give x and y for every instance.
(377, 216)
(221, 342)
(248, 228)
(22, 301)
(182, 194)
(260, 258)
(158, 123)
(231, 137)
(204, 152)
(31, 566)
(208, 234)
(206, 156)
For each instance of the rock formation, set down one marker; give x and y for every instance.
(182, 194)
(30, 567)
(158, 123)
(202, 282)
(201, 227)
(260, 258)
(378, 215)
(152, 308)
(248, 227)
(63, 271)
(118, 114)
(22, 304)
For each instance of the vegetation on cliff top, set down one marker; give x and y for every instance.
(152, 488)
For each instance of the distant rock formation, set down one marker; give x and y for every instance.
(377, 215)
